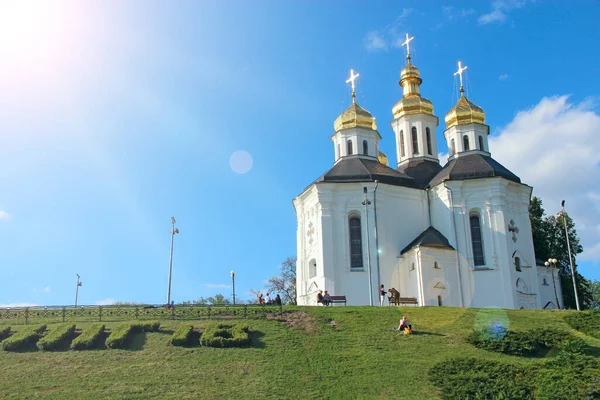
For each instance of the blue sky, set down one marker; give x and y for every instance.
(115, 115)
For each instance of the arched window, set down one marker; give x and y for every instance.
(339, 151)
(428, 133)
(349, 147)
(365, 147)
(452, 147)
(481, 143)
(476, 240)
(312, 268)
(356, 256)
(435, 265)
(544, 282)
(518, 264)
(402, 154)
(439, 300)
(466, 143)
(415, 140)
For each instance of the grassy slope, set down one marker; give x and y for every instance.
(362, 357)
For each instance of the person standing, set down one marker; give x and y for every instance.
(381, 295)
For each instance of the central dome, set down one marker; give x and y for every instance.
(412, 104)
(355, 117)
(464, 112)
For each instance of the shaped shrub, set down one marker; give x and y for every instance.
(24, 338)
(182, 335)
(569, 376)
(89, 338)
(587, 322)
(152, 326)
(223, 335)
(120, 335)
(56, 337)
(472, 378)
(527, 343)
(4, 333)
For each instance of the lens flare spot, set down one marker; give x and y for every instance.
(240, 162)
(492, 322)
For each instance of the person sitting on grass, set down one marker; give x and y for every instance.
(403, 325)
(326, 299)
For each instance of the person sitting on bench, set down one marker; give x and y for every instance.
(326, 299)
(320, 297)
(403, 325)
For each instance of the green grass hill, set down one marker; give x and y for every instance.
(313, 353)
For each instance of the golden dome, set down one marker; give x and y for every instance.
(464, 112)
(412, 104)
(355, 117)
(410, 71)
(383, 159)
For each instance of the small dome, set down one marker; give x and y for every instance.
(355, 117)
(383, 159)
(464, 112)
(410, 71)
(412, 104)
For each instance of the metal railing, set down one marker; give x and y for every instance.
(49, 314)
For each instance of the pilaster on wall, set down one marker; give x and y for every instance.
(327, 240)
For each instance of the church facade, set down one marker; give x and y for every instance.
(452, 235)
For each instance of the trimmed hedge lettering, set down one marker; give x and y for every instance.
(24, 338)
(119, 336)
(4, 333)
(182, 335)
(528, 343)
(587, 322)
(56, 337)
(89, 338)
(152, 326)
(224, 335)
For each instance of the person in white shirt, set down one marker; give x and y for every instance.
(267, 299)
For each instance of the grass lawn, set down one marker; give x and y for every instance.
(329, 352)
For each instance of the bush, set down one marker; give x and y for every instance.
(89, 338)
(24, 338)
(569, 376)
(222, 335)
(120, 335)
(472, 378)
(4, 333)
(528, 343)
(56, 337)
(587, 322)
(182, 335)
(152, 326)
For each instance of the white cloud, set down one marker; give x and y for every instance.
(106, 302)
(500, 8)
(217, 285)
(374, 41)
(4, 216)
(503, 77)
(392, 34)
(443, 157)
(47, 289)
(554, 147)
(467, 12)
(17, 305)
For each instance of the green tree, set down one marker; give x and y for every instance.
(549, 241)
(285, 282)
(595, 294)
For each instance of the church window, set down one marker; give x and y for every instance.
(365, 147)
(356, 256)
(349, 147)
(339, 151)
(466, 142)
(415, 140)
(412, 267)
(518, 264)
(428, 133)
(402, 154)
(436, 265)
(439, 300)
(545, 282)
(476, 240)
(452, 147)
(481, 143)
(312, 268)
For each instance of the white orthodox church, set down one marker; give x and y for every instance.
(453, 235)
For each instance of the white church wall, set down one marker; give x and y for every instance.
(546, 288)
(439, 277)
(405, 278)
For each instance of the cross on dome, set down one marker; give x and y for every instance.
(407, 44)
(459, 73)
(351, 81)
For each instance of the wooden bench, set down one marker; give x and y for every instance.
(338, 299)
(403, 300)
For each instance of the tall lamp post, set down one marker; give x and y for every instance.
(77, 289)
(233, 285)
(564, 215)
(173, 232)
(552, 262)
(366, 202)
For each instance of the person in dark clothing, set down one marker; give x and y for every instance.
(278, 300)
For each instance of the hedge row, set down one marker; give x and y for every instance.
(89, 338)
(528, 343)
(56, 337)
(4, 333)
(182, 335)
(152, 326)
(24, 338)
(587, 322)
(222, 335)
(119, 336)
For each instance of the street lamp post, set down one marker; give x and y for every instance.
(173, 232)
(77, 289)
(366, 202)
(553, 261)
(564, 215)
(233, 285)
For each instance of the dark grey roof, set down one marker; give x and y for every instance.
(430, 237)
(421, 171)
(473, 166)
(356, 169)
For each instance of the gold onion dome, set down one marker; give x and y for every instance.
(383, 159)
(411, 102)
(464, 112)
(355, 117)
